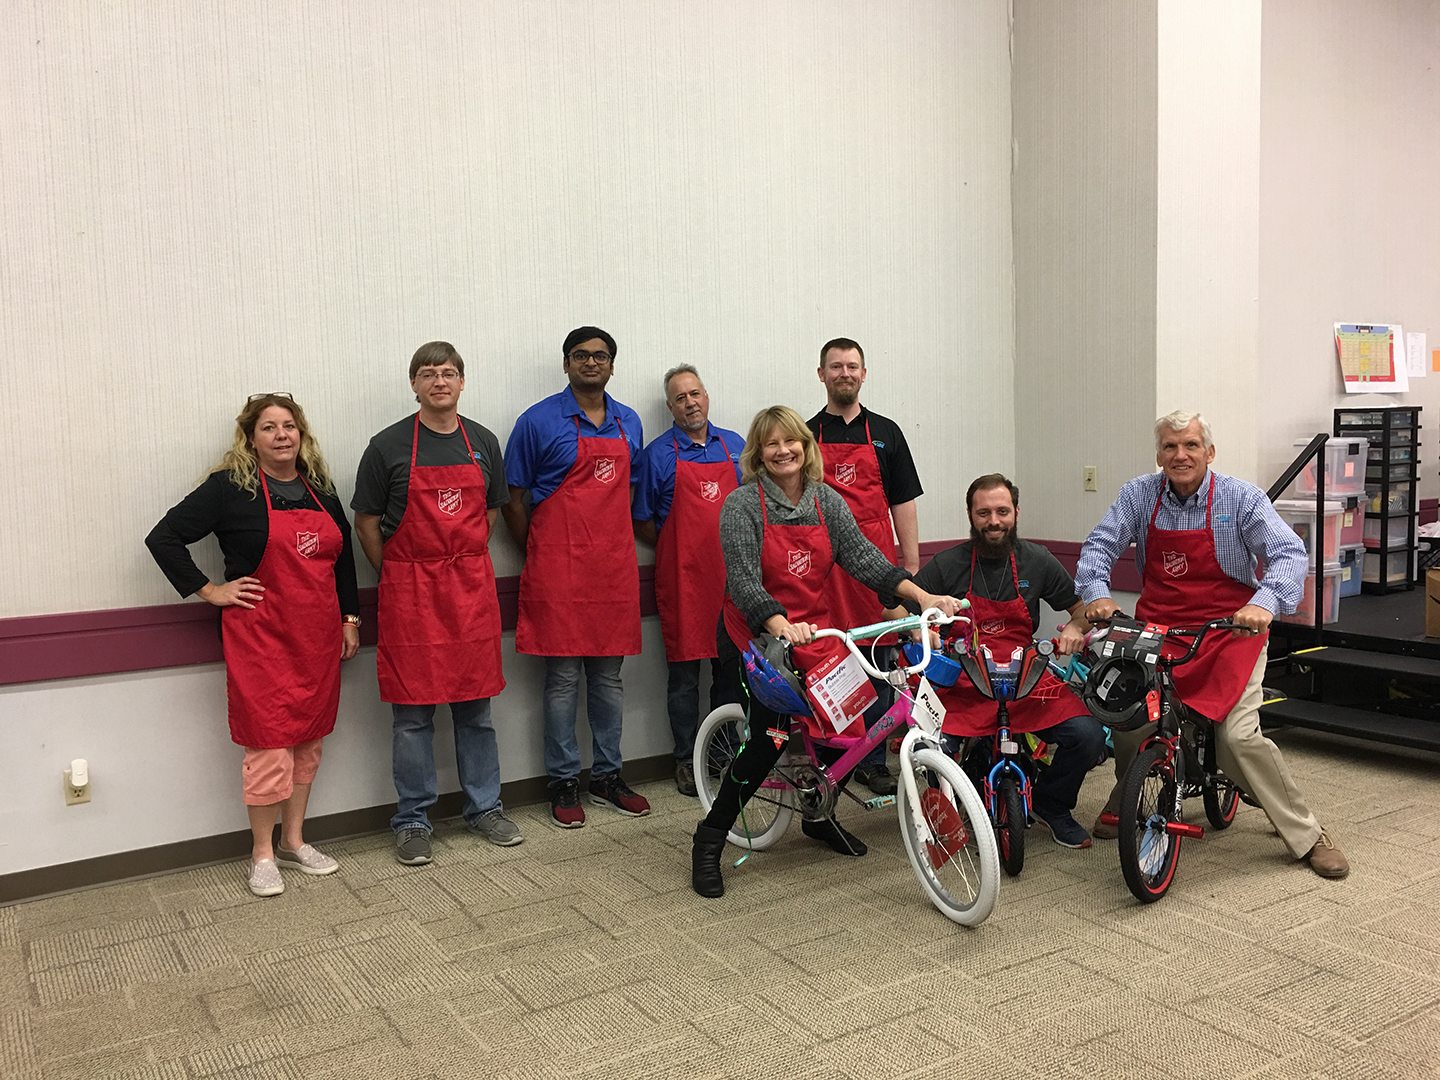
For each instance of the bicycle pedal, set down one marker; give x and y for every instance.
(1108, 818)
(878, 802)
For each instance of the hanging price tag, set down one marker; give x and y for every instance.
(839, 690)
(929, 714)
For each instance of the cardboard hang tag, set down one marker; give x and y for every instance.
(928, 712)
(840, 690)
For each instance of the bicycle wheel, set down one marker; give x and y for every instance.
(767, 814)
(1221, 802)
(1148, 853)
(955, 859)
(1010, 824)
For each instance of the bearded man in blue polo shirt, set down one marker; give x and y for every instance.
(684, 476)
(570, 457)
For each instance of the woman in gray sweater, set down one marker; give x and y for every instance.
(781, 532)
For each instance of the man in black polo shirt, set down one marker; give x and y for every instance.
(868, 462)
(1005, 578)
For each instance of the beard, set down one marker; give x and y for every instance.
(844, 396)
(1000, 549)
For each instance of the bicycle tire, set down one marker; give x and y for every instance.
(1010, 825)
(1220, 808)
(1148, 854)
(962, 878)
(767, 814)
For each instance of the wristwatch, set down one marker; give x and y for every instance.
(353, 620)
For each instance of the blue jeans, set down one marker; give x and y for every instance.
(413, 760)
(604, 704)
(682, 698)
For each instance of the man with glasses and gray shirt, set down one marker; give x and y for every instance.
(427, 492)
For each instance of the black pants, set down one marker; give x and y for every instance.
(1078, 743)
(759, 754)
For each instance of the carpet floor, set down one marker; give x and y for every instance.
(584, 954)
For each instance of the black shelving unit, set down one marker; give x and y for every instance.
(1391, 474)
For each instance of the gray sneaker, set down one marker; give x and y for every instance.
(496, 827)
(412, 846)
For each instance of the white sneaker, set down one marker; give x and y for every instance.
(265, 878)
(307, 860)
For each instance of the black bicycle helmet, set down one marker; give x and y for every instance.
(1115, 692)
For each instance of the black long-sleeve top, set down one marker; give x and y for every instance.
(241, 524)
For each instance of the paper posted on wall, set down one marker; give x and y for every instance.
(1372, 358)
(840, 691)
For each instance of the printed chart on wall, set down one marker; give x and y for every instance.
(1372, 358)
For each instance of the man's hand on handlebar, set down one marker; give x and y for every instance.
(1072, 639)
(1253, 619)
(795, 633)
(1101, 609)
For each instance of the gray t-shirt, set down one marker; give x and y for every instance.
(382, 481)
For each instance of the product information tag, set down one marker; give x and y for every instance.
(839, 690)
(929, 714)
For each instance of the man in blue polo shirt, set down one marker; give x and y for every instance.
(683, 477)
(569, 457)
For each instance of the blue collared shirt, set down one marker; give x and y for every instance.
(655, 471)
(1245, 525)
(544, 441)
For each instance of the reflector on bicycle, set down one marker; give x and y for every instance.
(947, 825)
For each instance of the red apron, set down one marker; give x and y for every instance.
(439, 617)
(282, 658)
(1005, 625)
(1183, 585)
(689, 568)
(853, 469)
(795, 561)
(580, 588)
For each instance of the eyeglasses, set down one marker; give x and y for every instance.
(448, 375)
(273, 393)
(579, 356)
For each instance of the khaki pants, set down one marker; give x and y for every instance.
(1250, 759)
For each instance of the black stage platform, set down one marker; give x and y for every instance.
(1393, 623)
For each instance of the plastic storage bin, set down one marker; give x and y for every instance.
(1352, 565)
(1375, 473)
(1397, 568)
(1352, 522)
(1344, 467)
(1330, 597)
(1299, 514)
(1397, 528)
(1399, 501)
(1395, 453)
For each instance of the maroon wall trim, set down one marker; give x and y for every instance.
(40, 647)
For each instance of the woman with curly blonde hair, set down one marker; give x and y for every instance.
(290, 612)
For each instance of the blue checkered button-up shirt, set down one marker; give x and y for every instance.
(1245, 525)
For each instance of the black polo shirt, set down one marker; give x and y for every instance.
(897, 468)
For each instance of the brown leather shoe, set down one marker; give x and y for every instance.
(1102, 830)
(1326, 859)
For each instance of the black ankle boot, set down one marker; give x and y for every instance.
(830, 832)
(705, 861)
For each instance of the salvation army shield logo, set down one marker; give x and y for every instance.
(710, 490)
(307, 544)
(799, 563)
(1175, 564)
(450, 501)
(605, 469)
(992, 626)
(845, 473)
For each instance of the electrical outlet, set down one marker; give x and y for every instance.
(1092, 478)
(74, 795)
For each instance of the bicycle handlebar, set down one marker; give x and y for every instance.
(928, 618)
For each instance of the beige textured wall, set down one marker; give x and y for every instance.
(202, 202)
(1349, 203)
(1208, 214)
(1084, 97)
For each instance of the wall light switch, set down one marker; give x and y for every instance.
(73, 794)
(1092, 478)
